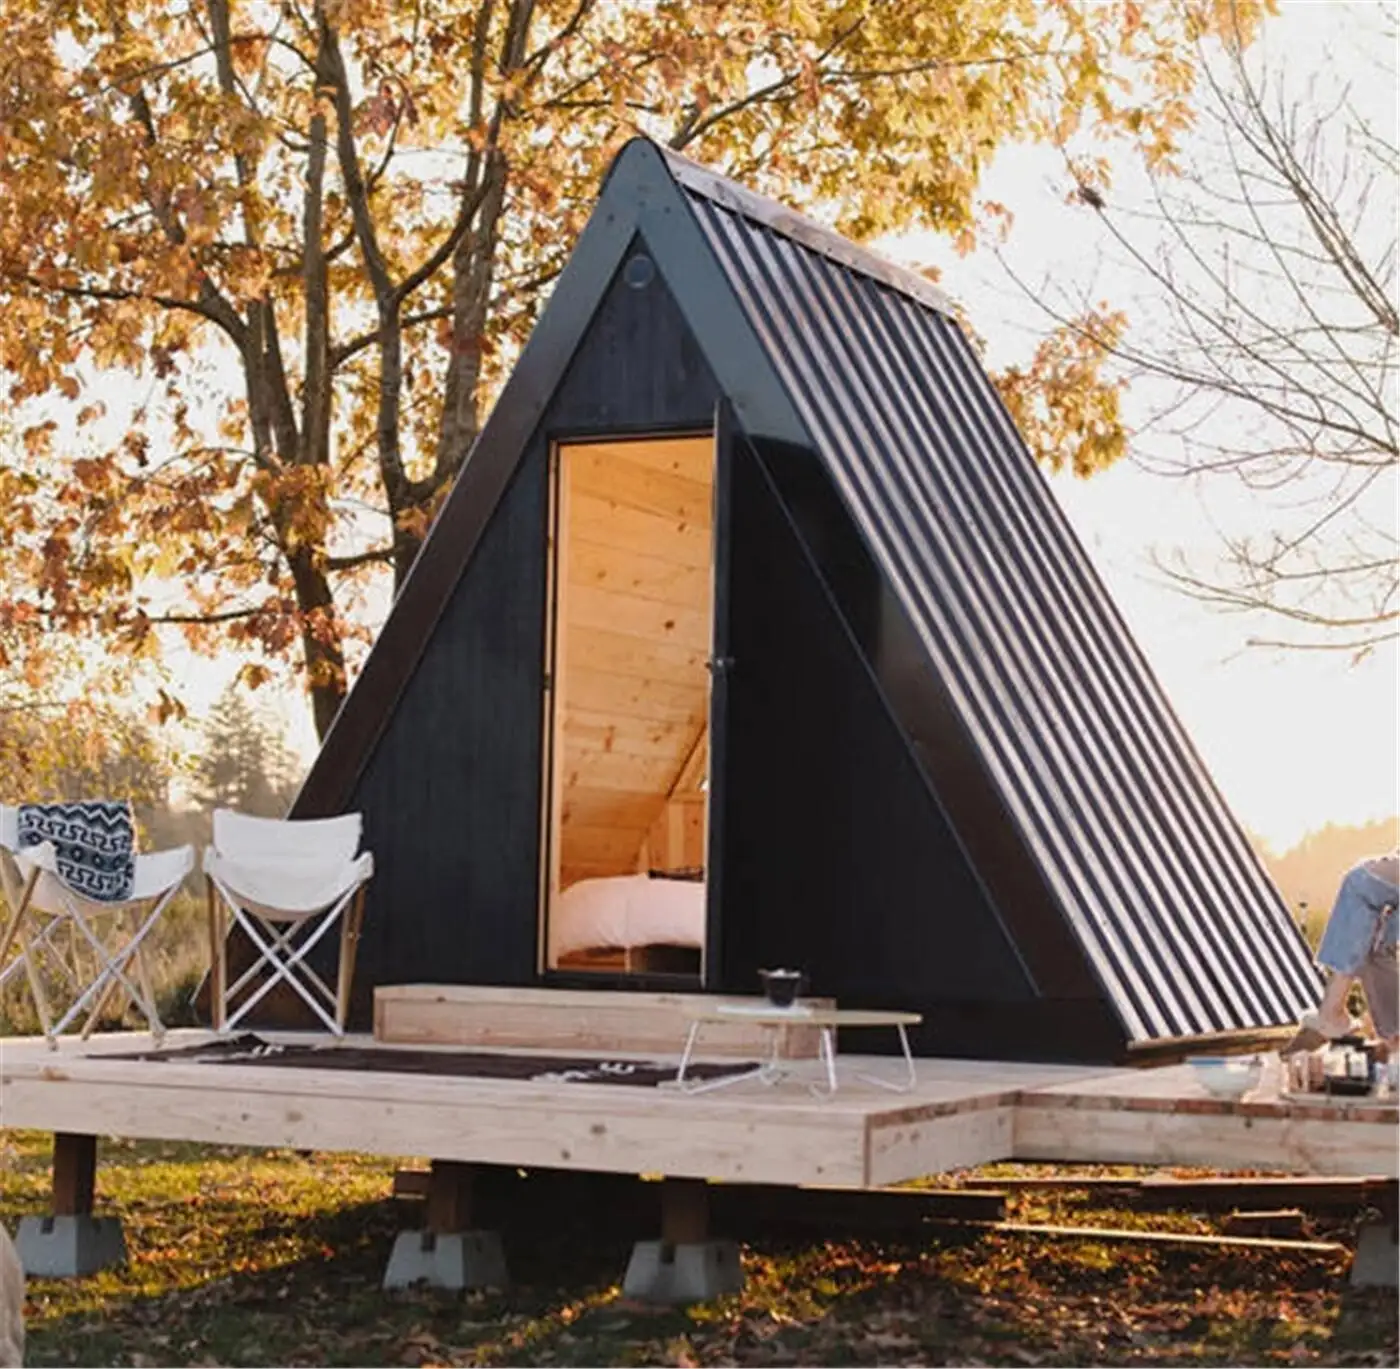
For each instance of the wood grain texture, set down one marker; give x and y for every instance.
(633, 736)
(677, 456)
(550, 1132)
(606, 523)
(935, 1145)
(632, 635)
(562, 1019)
(623, 653)
(1221, 1140)
(611, 471)
(633, 696)
(959, 1113)
(74, 1173)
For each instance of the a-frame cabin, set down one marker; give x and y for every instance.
(751, 635)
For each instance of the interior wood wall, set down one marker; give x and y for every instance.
(633, 615)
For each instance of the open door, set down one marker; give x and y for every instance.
(625, 822)
(721, 665)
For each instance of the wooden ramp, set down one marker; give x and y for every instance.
(960, 1114)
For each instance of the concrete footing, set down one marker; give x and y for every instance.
(68, 1247)
(693, 1271)
(451, 1259)
(1377, 1262)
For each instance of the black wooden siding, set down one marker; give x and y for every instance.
(451, 792)
(928, 718)
(837, 857)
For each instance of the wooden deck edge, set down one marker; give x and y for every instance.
(917, 1142)
(780, 1146)
(1307, 1145)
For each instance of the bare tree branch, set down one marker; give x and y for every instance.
(382, 556)
(1273, 368)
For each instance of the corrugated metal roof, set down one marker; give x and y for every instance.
(1185, 930)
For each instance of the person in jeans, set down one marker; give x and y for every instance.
(1359, 946)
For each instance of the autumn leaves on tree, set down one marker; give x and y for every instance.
(274, 258)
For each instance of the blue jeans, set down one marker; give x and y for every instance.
(1359, 922)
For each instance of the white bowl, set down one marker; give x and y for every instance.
(1226, 1076)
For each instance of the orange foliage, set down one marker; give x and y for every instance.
(313, 237)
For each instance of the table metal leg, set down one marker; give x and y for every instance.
(685, 1054)
(763, 1071)
(771, 1071)
(909, 1077)
(828, 1056)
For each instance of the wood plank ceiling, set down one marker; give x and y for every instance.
(633, 612)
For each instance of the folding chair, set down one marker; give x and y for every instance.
(42, 907)
(286, 883)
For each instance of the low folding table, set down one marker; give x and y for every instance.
(825, 1020)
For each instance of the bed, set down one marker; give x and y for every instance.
(626, 913)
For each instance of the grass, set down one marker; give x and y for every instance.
(270, 1257)
(177, 954)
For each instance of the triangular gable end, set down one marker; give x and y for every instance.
(639, 197)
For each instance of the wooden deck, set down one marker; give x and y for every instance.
(961, 1113)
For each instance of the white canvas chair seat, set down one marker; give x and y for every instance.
(113, 935)
(286, 884)
(286, 891)
(156, 872)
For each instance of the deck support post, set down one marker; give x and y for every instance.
(1376, 1263)
(686, 1265)
(74, 1174)
(71, 1241)
(448, 1252)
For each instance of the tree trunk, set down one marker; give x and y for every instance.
(320, 639)
(473, 273)
(274, 429)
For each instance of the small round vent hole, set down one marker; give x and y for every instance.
(639, 272)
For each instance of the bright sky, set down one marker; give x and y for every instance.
(1294, 740)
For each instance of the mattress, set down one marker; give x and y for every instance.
(627, 911)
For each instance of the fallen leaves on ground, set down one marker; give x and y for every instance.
(269, 1257)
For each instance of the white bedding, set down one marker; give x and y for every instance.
(627, 911)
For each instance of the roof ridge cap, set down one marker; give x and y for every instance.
(802, 229)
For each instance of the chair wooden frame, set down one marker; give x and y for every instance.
(285, 883)
(41, 905)
(279, 958)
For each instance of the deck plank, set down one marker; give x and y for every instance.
(960, 1113)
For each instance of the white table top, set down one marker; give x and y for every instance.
(800, 1015)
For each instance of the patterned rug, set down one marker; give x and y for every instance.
(250, 1049)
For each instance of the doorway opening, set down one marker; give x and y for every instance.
(628, 709)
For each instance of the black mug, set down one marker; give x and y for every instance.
(781, 987)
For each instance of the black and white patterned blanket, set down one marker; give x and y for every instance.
(94, 843)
